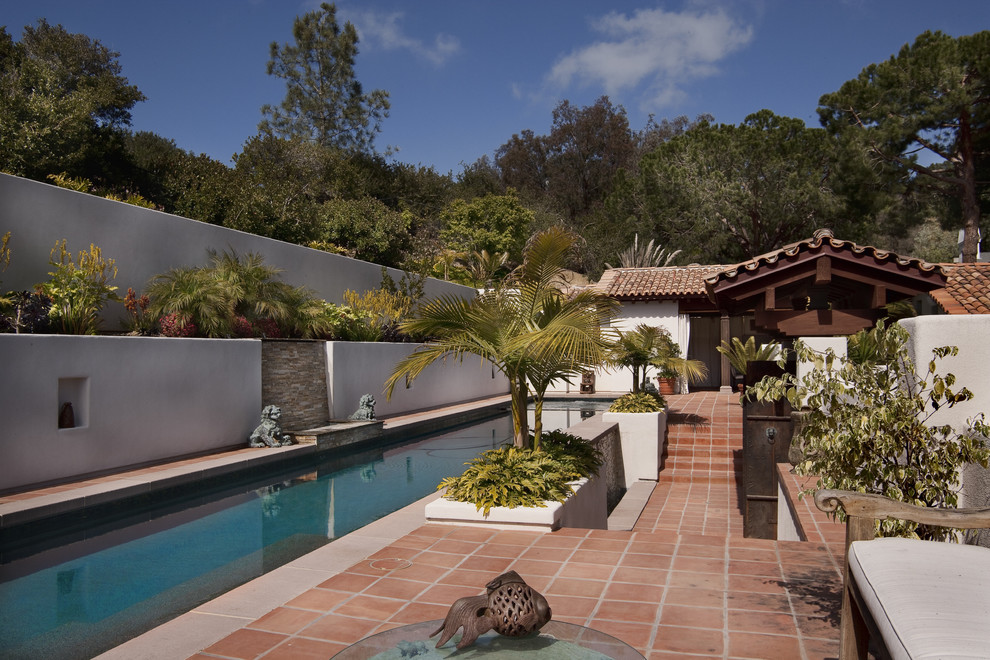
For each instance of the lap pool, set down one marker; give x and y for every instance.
(78, 593)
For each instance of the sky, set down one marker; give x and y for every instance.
(463, 76)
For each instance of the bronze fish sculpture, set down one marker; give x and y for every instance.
(511, 608)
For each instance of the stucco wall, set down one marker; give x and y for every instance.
(145, 243)
(969, 333)
(630, 315)
(135, 400)
(358, 368)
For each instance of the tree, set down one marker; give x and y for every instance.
(726, 193)
(528, 329)
(63, 104)
(648, 346)
(367, 229)
(934, 97)
(493, 223)
(648, 256)
(324, 102)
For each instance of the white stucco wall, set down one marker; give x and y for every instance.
(970, 334)
(145, 243)
(663, 314)
(358, 368)
(135, 399)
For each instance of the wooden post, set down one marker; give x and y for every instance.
(726, 384)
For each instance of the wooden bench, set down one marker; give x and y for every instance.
(913, 599)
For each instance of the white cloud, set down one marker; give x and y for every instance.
(385, 31)
(659, 49)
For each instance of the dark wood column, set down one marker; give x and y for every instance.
(726, 381)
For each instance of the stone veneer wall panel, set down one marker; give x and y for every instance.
(294, 377)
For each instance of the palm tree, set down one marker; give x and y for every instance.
(527, 327)
(646, 257)
(648, 346)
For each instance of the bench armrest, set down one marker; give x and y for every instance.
(878, 507)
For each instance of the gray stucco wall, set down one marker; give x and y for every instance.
(144, 243)
(135, 400)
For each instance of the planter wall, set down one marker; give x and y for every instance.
(135, 400)
(586, 509)
(643, 439)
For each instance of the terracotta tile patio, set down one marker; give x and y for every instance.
(684, 583)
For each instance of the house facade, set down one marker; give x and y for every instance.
(817, 289)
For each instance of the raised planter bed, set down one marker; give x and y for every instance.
(643, 437)
(586, 508)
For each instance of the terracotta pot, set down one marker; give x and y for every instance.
(667, 385)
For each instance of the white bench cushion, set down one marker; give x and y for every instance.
(929, 599)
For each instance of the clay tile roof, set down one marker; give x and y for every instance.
(821, 237)
(654, 283)
(967, 289)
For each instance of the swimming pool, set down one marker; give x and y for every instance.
(77, 596)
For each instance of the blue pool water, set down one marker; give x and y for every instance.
(97, 586)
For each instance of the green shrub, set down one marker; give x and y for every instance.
(574, 453)
(79, 289)
(638, 402)
(870, 428)
(511, 477)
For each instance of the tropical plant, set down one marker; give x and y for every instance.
(646, 257)
(648, 346)
(870, 425)
(638, 402)
(511, 477)
(574, 452)
(526, 327)
(79, 289)
(215, 297)
(740, 354)
(482, 266)
(4, 262)
(140, 322)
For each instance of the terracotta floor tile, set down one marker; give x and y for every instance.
(760, 568)
(527, 568)
(456, 547)
(698, 564)
(636, 635)
(490, 565)
(754, 645)
(571, 606)
(546, 553)
(694, 580)
(571, 587)
(692, 617)
(770, 623)
(652, 576)
(586, 571)
(651, 547)
(755, 583)
(695, 597)
(645, 561)
(691, 640)
(474, 534)
(763, 602)
(300, 648)
(443, 559)
(348, 582)
(596, 557)
(443, 594)
(420, 572)
(600, 544)
(389, 587)
(556, 540)
(363, 606)
(342, 629)
(285, 620)
(469, 580)
(515, 538)
(643, 593)
(245, 643)
(500, 550)
(821, 649)
(319, 600)
(416, 612)
(620, 610)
